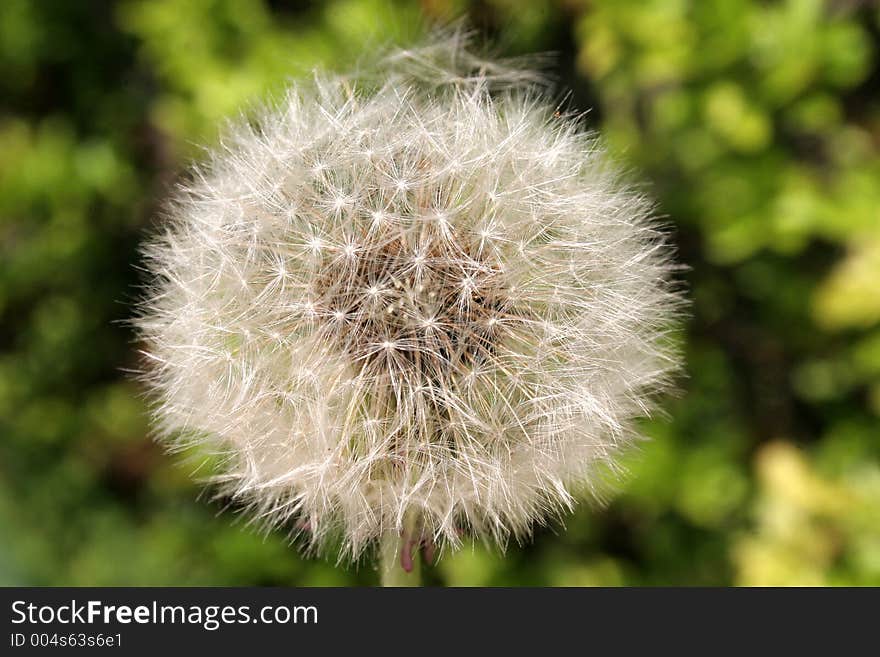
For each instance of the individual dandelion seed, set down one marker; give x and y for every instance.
(411, 303)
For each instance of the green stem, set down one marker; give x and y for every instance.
(390, 562)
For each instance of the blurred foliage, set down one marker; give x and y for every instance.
(757, 125)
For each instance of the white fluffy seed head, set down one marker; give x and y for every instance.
(415, 299)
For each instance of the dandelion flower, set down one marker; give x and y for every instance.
(416, 300)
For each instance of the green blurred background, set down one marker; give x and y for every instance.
(756, 125)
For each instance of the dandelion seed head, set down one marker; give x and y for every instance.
(413, 296)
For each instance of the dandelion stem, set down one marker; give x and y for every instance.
(399, 560)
